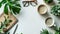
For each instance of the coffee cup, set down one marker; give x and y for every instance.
(42, 9)
(50, 22)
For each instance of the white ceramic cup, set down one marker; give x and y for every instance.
(51, 24)
(42, 9)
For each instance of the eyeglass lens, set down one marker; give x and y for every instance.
(25, 4)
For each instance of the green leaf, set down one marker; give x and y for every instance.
(48, 1)
(10, 21)
(0, 4)
(6, 9)
(15, 10)
(7, 32)
(16, 0)
(3, 1)
(13, 2)
(55, 10)
(44, 32)
(1, 30)
(7, 20)
(56, 32)
(21, 33)
(18, 5)
(14, 7)
(58, 0)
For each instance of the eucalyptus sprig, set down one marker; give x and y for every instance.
(11, 5)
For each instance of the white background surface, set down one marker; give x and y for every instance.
(30, 21)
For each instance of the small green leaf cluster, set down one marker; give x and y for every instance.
(57, 31)
(48, 1)
(4, 24)
(55, 10)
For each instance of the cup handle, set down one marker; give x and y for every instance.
(54, 25)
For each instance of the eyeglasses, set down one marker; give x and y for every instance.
(27, 3)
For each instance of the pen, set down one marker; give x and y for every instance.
(15, 29)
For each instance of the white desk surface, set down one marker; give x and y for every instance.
(30, 21)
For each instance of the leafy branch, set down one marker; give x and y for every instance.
(11, 5)
(57, 31)
(4, 24)
(55, 10)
